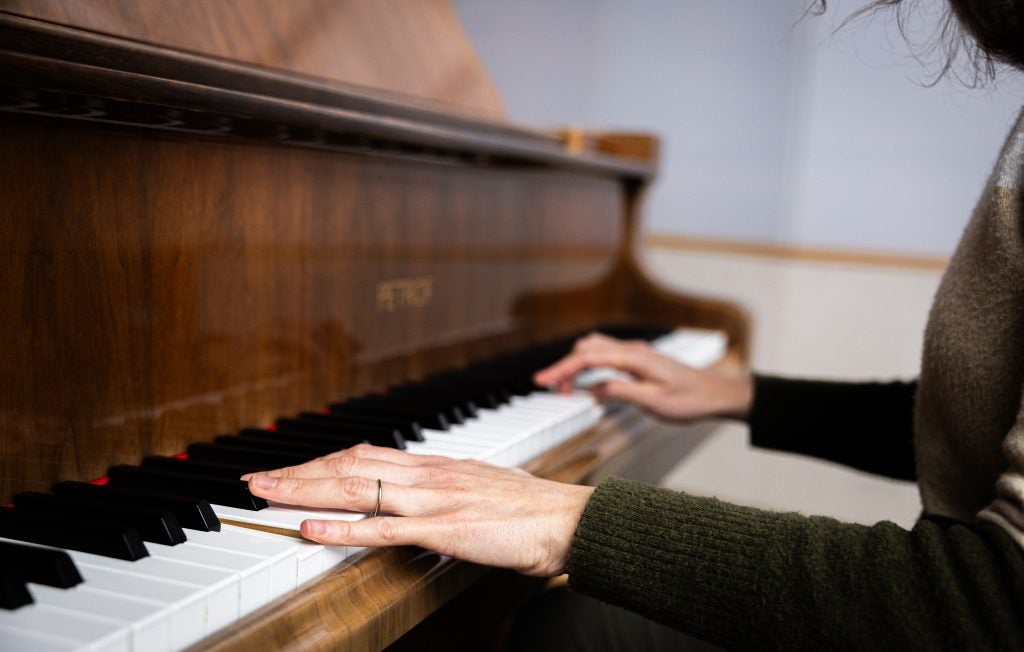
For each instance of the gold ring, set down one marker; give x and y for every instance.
(380, 495)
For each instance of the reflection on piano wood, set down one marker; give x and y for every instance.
(219, 214)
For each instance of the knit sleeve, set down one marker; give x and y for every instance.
(751, 579)
(867, 426)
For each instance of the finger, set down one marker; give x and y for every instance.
(621, 357)
(641, 393)
(593, 340)
(356, 494)
(563, 371)
(376, 532)
(602, 346)
(450, 473)
(348, 466)
(392, 455)
(313, 469)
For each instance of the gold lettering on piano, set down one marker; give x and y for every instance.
(404, 293)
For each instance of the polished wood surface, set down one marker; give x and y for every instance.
(195, 244)
(414, 49)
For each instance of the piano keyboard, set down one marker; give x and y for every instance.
(168, 595)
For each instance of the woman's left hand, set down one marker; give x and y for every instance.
(461, 508)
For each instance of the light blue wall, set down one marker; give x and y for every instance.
(774, 129)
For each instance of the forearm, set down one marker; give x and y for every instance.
(747, 578)
(868, 426)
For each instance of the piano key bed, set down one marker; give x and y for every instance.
(163, 554)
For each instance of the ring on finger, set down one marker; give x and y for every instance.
(380, 496)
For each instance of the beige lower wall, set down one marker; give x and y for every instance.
(818, 318)
(810, 319)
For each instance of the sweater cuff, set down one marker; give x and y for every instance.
(768, 408)
(685, 561)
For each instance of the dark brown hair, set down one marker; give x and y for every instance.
(982, 33)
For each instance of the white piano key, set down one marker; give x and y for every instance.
(282, 555)
(150, 623)
(188, 603)
(14, 639)
(694, 347)
(311, 562)
(90, 632)
(184, 599)
(287, 517)
(219, 590)
(256, 573)
(310, 556)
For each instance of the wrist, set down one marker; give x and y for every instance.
(574, 501)
(736, 397)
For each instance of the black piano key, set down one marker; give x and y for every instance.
(505, 383)
(219, 491)
(450, 400)
(453, 413)
(428, 418)
(309, 450)
(413, 405)
(200, 467)
(485, 386)
(348, 434)
(266, 437)
(408, 428)
(482, 386)
(73, 533)
(476, 395)
(39, 565)
(153, 525)
(244, 456)
(13, 592)
(193, 512)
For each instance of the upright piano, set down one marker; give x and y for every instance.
(217, 214)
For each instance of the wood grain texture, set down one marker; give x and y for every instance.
(48, 69)
(161, 290)
(414, 49)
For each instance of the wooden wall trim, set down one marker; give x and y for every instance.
(795, 253)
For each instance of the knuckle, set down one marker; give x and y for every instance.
(360, 450)
(435, 474)
(457, 496)
(354, 489)
(588, 359)
(342, 466)
(387, 528)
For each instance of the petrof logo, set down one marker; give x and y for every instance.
(404, 293)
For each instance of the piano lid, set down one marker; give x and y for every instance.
(413, 51)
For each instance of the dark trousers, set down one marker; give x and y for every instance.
(566, 621)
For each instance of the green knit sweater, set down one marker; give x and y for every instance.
(752, 579)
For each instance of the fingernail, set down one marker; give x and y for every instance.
(246, 477)
(264, 481)
(315, 527)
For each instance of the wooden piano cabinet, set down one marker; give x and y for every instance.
(411, 50)
(216, 214)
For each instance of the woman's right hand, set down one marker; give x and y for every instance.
(659, 384)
